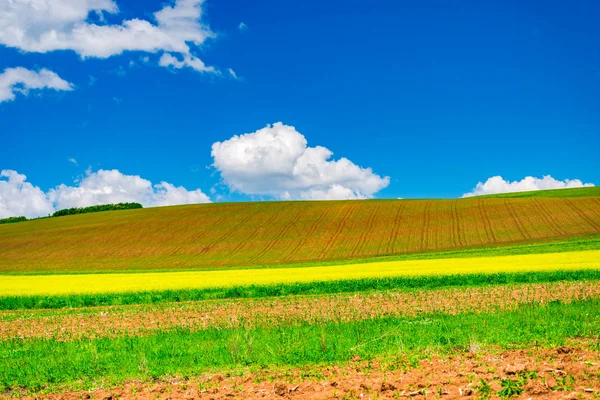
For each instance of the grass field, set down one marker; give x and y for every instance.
(183, 353)
(260, 234)
(290, 310)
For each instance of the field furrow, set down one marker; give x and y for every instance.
(242, 235)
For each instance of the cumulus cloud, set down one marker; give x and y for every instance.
(112, 186)
(22, 80)
(497, 184)
(276, 161)
(42, 26)
(18, 197)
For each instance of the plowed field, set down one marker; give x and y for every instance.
(258, 234)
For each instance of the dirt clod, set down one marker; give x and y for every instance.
(564, 350)
(442, 376)
(280, 389)
(515, 369)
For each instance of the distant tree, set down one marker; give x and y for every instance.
(98, 208)
(11, 220)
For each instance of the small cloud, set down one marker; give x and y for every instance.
(232, 73)
(92, 80)
(120, 71)
(242, 26)
(21, 80)
(145, 59)
(167, 60)
(117, 100)
(132, 64)
(72, 160)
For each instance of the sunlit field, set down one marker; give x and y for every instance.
(234, 235)
(243, 300)
(115, 283)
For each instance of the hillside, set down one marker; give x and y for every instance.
(267, 233)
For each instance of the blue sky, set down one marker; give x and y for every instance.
(436, 95)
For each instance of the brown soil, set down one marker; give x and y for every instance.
(144, 319)
(570, 372)
(223, 235)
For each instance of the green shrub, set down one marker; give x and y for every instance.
(103, 207)
(11, 220)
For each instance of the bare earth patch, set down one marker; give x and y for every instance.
(137, 320)
(568, 372)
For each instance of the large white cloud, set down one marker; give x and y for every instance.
(47, 25)
(22, 80)
(497, 184)
(18, 197)
(275, 161)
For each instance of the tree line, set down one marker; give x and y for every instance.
(78, 210)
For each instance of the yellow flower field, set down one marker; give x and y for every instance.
(135, 282)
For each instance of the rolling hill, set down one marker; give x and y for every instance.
(221, 235)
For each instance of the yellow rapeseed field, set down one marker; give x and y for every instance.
(135, 282)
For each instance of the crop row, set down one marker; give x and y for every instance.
(225, 235)
(73, 284)
(293, 310)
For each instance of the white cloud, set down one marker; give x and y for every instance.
(167, 60)
(112, 186)
(73, 161)
(232, 73)
(242, 26)
(48, 25)
(496, 185)
(18, 197)
(22, 80)
(276, 161)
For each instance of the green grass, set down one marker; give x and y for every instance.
(572, 192)
(49, 364)
(310, 288)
